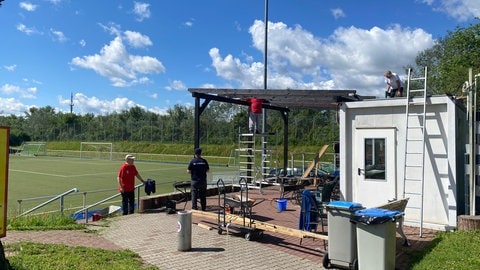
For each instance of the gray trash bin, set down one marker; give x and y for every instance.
(184, 228)
(376, 238)
(342, 241)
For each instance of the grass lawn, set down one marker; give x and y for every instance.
(450, 250)
(43, 177)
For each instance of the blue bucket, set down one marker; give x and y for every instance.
(282, 204)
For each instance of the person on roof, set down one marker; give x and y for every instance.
(394, 84)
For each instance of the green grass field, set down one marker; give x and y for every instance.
(46, 176)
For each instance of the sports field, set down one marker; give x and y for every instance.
(46, 176)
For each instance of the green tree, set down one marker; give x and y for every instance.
(450, 58)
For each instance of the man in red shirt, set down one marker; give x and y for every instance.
(254, 114)
(126, 184)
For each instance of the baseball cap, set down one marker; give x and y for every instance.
(198, 151)
(129, 156)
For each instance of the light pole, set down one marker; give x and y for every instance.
(264, 113)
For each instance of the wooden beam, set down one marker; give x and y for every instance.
(260, 225)
(315, 161)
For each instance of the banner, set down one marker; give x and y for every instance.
(4, 139)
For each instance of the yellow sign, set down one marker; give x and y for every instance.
(4, 139)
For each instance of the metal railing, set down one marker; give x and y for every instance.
(80, 207)
(60, 196)
(85, 208)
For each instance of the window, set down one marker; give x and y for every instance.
(375, 158)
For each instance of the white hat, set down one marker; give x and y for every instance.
(129, 157)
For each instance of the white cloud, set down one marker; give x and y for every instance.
(189, 23)
(58, 35)
(28, 6)
(338, 13)
(351, 58)
(141, 10)
(136, 39)
(111, 28)
(55, 2)
(176, 85)
(27, 30)
(461, 10)
(11, 106)
(428, 2)
(82, 43)
(14, 90)
(120, 67)
(84, 104)
(10, 68)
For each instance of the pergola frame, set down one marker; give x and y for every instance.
(278, 100)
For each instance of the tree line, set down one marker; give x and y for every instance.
(220, 124)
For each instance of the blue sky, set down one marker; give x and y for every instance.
(113, 55)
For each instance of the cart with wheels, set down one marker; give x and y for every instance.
(239, 206)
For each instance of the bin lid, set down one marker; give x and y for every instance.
(375, 216)
(344, 205)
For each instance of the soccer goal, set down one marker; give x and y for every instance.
(33, 149)
(96, 150)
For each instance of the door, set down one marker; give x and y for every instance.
(375, 181)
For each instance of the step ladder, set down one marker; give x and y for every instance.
(414, 169)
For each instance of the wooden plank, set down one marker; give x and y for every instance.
(260, 225)
(315, 161)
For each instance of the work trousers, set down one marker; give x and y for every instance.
(128, 202)
(199, 191)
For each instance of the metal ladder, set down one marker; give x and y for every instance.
(414, 170)
(249, 151)
(246, 150)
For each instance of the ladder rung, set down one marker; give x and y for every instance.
(417, 90)
(414, 166)
(412, 103)
(413, 180)
(413, 152)
(415, 127)
(413, 194)
(417, 79)
(414, 140)
(246, 156)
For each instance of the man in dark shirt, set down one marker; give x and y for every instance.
(198, 168)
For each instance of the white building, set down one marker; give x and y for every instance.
(372, 158)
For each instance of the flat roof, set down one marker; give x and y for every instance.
(287, 98)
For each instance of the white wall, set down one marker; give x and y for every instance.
(440, 192)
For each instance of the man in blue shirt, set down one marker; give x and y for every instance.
(198, 168)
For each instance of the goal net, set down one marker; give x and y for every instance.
(96, 150)
(33, 149)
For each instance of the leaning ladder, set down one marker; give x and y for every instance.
(415, 133)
